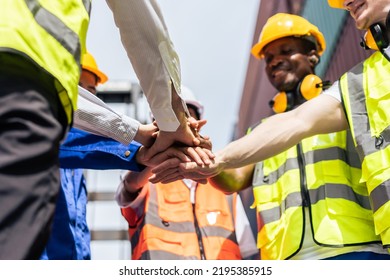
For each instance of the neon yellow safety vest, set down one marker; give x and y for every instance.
(322, 172)
(52, 35)
(366, 97)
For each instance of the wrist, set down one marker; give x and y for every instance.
(221, 161)
(128, 193)
(140, 157)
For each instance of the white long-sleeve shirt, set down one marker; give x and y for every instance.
(146, 40)
(94, 116)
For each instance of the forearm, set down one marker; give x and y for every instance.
(131, 191)
(233, 180)
(134, 181)
(320, 115)
(271, 137)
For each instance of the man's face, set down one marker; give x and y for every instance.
(367, 12)
(88, 81)
(286, 63)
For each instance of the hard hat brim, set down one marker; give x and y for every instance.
(102, 78)
(336, 4)
(257, 50)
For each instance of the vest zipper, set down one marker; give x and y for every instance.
(198, 235)
(301, 163)
(304, 190)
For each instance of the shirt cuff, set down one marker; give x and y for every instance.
(130, 129)
(166, 119)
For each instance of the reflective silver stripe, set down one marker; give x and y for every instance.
(221, 231)
(152, 218)
(311, 157)
(164, 255)
(87, 6)
(339, 191)
(366, 144)
(273, 177)
(380, 195)
(274, 214)
(56, 28)
(230, 202)
(134, 239)
(258, 174)
(358, 109)
(210, 231)
(370, 145)
(331, 153)
(329, 191)
(353, 157)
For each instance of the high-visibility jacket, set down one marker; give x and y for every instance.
(366, 97)
(322, 173)
(174, 228)
(51, 35)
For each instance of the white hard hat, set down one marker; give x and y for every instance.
(189, 98)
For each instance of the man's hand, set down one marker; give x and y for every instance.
(198, 155)
(173, 169)
(146, 134)
(186, 134)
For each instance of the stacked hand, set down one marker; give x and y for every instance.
(185, 145)
(173, 169)
(185, 135)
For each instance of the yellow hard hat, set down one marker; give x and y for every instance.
(285, 25)
(338, 4)
(89, 63)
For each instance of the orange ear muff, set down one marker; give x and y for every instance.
(369, 41)
(377, 34)
(279, 102)
(282, 102)
(311, 86)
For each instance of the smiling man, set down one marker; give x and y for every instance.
(309, 199)
(312, 186)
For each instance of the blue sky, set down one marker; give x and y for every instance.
(213, 39)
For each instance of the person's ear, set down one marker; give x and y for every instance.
(314, 58)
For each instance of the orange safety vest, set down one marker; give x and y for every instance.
(173, 228)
